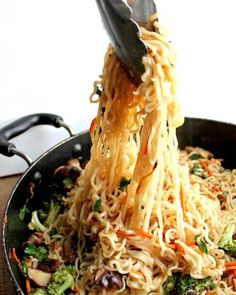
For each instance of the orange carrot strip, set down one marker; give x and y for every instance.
(173, 246)
(27, 286)
(124, 199)
(211, 161)
(92, 125)
(14, 256)
(191, 243)
(208, 292)
(123, 234)
(141, 181)
(230, 263)
(146, 146)
(142, 233)
(233, 267)
(205, 167)
(215, 189)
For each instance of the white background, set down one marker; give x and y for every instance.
(51, 51)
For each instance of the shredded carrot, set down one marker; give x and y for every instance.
(191, 243)
(27, 286)
(146, 146)
(174, 246)
(141, 181)
(231, 268)
(208, 292)
(212, 161)
(171, 199)
(142, 233)
(215, 189)
(92, 125)
(14, 256)
(123, 234)
(5, 219)
(230, 263)
(124, 199)
(206, 167)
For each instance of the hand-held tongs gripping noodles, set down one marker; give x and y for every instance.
(121, 22)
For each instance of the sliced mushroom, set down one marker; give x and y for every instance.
(69, 249)
(72, 170)
(107, 279)
(48, 265)
(40, 278)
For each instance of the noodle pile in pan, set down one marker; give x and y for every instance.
(149, 218)
(145, 230)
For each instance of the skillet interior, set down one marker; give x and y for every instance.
(218, 137)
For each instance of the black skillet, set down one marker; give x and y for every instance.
(218, 137)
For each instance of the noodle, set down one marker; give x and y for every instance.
(149, 228)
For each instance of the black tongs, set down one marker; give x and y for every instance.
(122, 22)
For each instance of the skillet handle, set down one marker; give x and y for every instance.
(23, 124)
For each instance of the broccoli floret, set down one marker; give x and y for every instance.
(62, 280)
(23, 211)
(227, 243)
(39, 291)
(198, 170)
(182, 284)
(169, 285)
(35, 223)
(40, 252)
(54, 210)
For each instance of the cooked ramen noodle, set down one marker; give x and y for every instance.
(147, 216)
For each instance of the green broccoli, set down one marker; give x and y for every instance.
(182, 284)
(54, 210)
(198, 170)
(227, 243)
(194, 156)
(170, 285)
(23, 211)
(62, 280)
(39, 291)
(35, 223)
(40, 252)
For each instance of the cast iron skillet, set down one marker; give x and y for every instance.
(218, 137)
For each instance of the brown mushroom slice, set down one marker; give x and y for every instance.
(69, 249)
(40, 278)
(72, 170)
(48, 265)
(107, 279)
